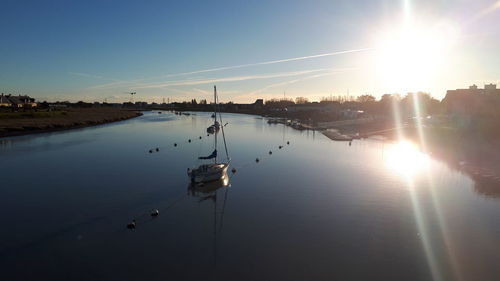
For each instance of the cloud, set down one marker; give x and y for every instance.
(131, 83)
(201, 91)
(220, 80)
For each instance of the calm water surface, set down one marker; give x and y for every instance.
(314, 210)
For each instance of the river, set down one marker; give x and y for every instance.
(314, 210)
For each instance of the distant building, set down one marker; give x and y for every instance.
(4, 101)
(351, 114)
(259, 103)
(489, 89)
(141, 104)
(57, 105)
(464, 106)
(315, 106)
(17, 101)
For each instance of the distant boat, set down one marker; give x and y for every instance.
(216, 170)
(212, 129)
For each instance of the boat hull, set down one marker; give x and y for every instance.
(208, 172)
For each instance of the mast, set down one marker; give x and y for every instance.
(223, 135)
(215, 121)
(215, 104)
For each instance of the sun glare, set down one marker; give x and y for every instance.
(412, 56)
(405, 158)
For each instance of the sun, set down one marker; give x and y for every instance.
(405, 158)
(411, 57)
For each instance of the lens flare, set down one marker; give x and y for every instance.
(406, 159)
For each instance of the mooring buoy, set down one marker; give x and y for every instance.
(233, 170)
(287, 142)
(257, 160)
(150, 151)
(157, 149)
(155, 213)
(189, 140)
(175, 144)
(270, 152)
(200, 137)
(131, 225)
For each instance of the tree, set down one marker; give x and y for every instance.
(388, 104)
(301, 100)
(419, 103)
(366, 98)
(279, 103)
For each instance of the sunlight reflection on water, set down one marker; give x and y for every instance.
(341, 212)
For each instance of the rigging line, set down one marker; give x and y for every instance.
(223, 208)
(177, 200)
(199, 138)
(223, 134)
(215, 121)
(244, 165)
(215, 230)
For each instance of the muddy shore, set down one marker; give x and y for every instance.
(33, 122)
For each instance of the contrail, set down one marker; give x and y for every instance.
(225, 79)
(117, 83)
(270, 62)
(333, 71)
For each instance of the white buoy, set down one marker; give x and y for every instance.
(155, 213)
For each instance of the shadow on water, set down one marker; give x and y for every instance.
(486, 181)
(487, 186)
(157, 118)
(62, 232)
(30, 144)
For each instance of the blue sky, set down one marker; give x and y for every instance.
(96, 50)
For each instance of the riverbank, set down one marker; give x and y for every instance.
(32, 122)
(465, 151)
(461, 150)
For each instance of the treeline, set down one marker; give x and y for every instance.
(388, 104)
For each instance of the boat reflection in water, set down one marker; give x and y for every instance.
(208, 189)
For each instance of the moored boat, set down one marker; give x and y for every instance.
(216, 170)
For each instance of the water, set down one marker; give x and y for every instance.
(314, 210)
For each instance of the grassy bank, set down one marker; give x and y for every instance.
(28, 122)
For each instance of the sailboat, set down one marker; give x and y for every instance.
(214, 128)
(216, 170)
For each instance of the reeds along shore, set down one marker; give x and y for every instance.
(29, 122)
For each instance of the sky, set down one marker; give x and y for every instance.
(177, 50)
